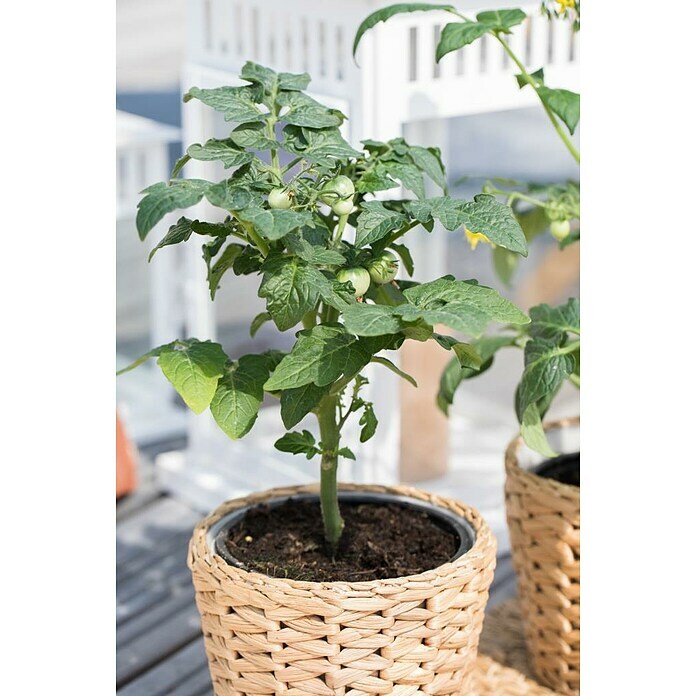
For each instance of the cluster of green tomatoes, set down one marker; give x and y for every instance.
(338, 194)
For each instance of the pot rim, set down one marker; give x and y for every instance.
(482, 552)
(457, 524)
(512, 465)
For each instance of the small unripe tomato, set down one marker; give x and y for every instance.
(279, 199)
(358, 277)
(343, 207)
(560, 229)
(383, 269)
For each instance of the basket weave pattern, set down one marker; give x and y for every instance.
(410, 635)
(544, 521)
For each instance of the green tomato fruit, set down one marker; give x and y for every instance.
(337, 189)
(358, 277)
(279, 199)
(343, 207)
(383, 269)
(560, 229)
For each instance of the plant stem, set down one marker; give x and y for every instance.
(574, 379)
(532, 83)
(328, 490)
(338, 234)
(259, 242)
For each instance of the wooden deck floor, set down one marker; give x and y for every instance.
(159, 644)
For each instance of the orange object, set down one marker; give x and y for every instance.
(126, 462)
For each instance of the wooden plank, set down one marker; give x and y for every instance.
(169, 674)
(154, 646)
(151, 593)
(153, 616)
(198, 684)
(176, 545)
(157, 522)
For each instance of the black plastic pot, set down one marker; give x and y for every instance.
(564, 468)
(460, 526)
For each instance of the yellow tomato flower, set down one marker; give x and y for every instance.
(565, 5)
(476, 237)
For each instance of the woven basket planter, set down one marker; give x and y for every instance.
(409, 635)
(543, 516)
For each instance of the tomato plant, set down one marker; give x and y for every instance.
(312, 278)
(551, 341)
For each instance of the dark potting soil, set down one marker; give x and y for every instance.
(379, 541)
(565, 469)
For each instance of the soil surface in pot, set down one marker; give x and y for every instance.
(379, 541)
(565, 469)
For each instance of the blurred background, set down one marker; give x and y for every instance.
(469, 105)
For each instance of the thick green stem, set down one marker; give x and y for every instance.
(338, 234)
(255, 238)
(328, 491)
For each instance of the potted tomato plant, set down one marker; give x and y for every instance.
(306, 590)
(542, 498)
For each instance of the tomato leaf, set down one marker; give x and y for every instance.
(375, 222)
(239, 394)
(225, 151)
(386, 12)
(564, 103)
(456, 35)
(488, 216)
(193, 367)
(236, 103)
(296, 403)
(298, 443)
(163, 198)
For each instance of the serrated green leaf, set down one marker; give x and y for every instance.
(374, 180)
(181, 232)
(371, 320)
(375, 222)
(295, 404)
(488, 216)
(318, 145)
(480, 298)
(260, 75)
(236, 103)
(298, 244)
(428, 160)
(291, 288)
(285, 221)
(467, 355)
(252, 136)
(368, 420)
(501, 20)
(193, 367)
(447, 210)
(409, 175)
(456, 35)
(347, 453)
(257, 322)
(298, 443)
(224, 151)
(386, 12)
(162, 198)
(546, 367)
(239, 394)
(302, 110)
(533, 434)
(320, 356)
(564, 103)
(221, 266)
(261, 218)
(552, 323)
(228, 194)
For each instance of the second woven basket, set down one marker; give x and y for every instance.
(544, 521)
(403, 636)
